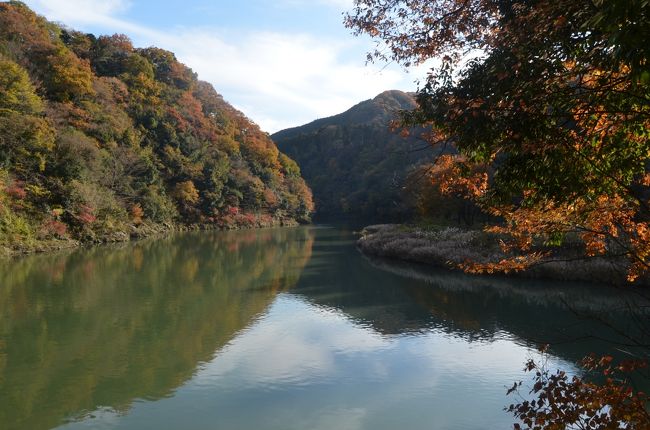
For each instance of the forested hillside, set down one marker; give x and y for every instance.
(99, 139)
(355, 164)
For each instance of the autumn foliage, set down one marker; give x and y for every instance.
(560, 401)
(112, 136)
(547, 106)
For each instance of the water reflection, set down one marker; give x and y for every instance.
(401, 298)
(104, 326)
(274, 329)
(308, 367)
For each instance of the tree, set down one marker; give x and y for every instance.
(563, 402)
(25, 137)
(554, 99)
(17, 92)
(186, 193)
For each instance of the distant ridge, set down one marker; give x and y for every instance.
(379, 110)
(355, 165)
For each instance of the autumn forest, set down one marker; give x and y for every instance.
(99, 141)
(495, 212)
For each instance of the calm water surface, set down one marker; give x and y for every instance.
(273, 329)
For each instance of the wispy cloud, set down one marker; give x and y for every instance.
(277, 79)
(91, 13)
(82, 11)
(280, 79)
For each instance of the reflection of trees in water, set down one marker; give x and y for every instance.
(407, 298)
(583, 296)
(575, 318)
(104, 326)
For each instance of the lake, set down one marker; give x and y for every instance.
(276, 329)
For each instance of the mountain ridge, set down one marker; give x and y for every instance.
(353, 161)
(399, 100)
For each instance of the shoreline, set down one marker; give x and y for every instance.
(448, 247)
(143, 231)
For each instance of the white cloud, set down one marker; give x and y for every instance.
(81, 11)
(277, 79)
(281, 80)
(83, 14)
(299, 350)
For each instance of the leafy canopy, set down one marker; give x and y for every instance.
(97, 136)
(550, 115)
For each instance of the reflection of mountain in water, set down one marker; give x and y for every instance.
(97, 329)
(403, 298)
(105, 326)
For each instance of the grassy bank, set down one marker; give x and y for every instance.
(29, 244)
(452, 246)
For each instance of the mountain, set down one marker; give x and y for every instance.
(379, 111)
(354, 163)
(98, 139)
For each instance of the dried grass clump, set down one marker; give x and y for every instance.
(452, 246)
(447, 246)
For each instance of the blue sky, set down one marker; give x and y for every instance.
(283, 63)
